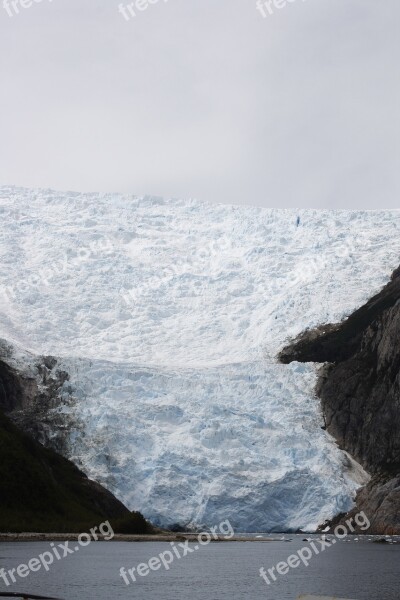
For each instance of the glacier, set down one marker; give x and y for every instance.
(168, 316)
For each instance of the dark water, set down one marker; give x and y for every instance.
(220, 571)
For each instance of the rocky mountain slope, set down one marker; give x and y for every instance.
(40, 490)
(360, 392)
(43, 492)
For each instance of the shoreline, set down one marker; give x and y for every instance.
(171, 537)
(167, 537)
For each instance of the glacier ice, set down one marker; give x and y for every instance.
(168, 316)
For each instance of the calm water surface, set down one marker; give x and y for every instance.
(224, 571)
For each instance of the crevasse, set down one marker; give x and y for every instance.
(168, 316)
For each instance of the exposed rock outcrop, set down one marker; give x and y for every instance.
(30, 386)
(380, 501)
(360, 394)
(40, 490)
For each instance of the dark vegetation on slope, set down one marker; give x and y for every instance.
(41, 491)
(360, 394)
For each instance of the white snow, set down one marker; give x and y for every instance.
(168, 315)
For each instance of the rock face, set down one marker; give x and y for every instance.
(359, 389)
(30, 387)
(39, 489)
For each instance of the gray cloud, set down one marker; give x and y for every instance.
(205, 99)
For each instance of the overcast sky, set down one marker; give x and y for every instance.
(205, 99)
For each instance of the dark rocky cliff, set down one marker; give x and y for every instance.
(359, 387)
(28, 391)
(40, 490)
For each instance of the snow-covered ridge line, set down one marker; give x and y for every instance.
(168, 316)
